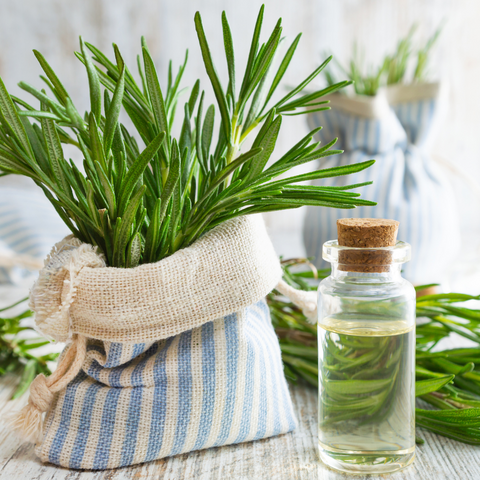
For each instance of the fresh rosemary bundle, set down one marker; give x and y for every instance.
(392, 70)
(447, 379)
(141, 204)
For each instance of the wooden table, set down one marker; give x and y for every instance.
(287, 457)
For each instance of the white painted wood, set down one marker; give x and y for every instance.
(53, 27)
(290, 456)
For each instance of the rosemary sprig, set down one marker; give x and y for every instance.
(392, 70)
(17, 350)
(141, 204)
(447, 379)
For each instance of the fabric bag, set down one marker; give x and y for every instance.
(396, 128)
(29, 226)
(164, 358)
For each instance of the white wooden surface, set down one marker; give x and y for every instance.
(288, 457)
(53, 27)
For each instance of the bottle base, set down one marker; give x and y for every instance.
(366, 462)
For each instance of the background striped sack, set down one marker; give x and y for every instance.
(395, 128)
(29, 226)
(218, 384)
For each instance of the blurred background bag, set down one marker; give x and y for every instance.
(396, 128)
(29, 226)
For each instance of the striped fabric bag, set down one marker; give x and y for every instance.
(162, 359)
(396, 128)
(29, 226)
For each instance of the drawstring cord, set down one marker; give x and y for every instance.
(28, 422)
(307, 301)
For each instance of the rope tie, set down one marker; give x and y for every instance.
(307, 301)
(28, 422)
(40, 395)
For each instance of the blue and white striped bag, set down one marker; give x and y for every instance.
(29, 226)
(164, 358)
(396, 128)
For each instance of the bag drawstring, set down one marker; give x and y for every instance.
(307, 301)
(28, 422)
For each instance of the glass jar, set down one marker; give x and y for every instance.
(366, 349)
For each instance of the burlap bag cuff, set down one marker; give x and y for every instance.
(232, 266)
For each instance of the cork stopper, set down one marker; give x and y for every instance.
(367, 232)
(370, 233)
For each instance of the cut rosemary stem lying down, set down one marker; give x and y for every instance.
(18, 345)
(448, 379)
(139, 204)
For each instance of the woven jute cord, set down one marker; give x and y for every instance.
(307, 301)
(77, 297)
(28, 422)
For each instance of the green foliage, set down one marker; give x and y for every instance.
(448, 379)
(392, 70)
(141, 204)
(17, 350)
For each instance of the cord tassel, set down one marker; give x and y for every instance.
(27, 423)
(307, 301)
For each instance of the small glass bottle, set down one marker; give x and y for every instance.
(366, 345)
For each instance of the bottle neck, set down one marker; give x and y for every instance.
(391, 275)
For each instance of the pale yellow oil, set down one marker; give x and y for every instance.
(367, 393)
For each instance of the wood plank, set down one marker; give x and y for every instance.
(291, 456)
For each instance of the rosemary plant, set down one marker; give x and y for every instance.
(141, 204)
(447, 379)
(392, 70)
